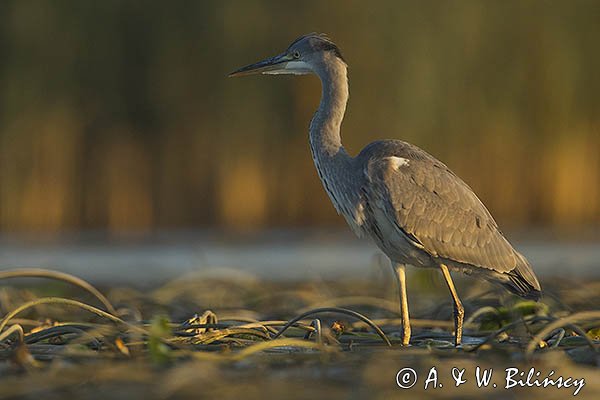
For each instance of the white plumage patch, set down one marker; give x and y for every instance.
(397, 162)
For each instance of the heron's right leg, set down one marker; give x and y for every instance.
(459, 311)
(400, 270)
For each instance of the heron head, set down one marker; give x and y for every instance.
(304, 56)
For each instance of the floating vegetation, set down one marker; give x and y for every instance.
(145, 339)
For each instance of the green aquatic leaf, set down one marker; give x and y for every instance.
(159, 331)
(530, 307)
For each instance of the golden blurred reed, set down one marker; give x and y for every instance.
(118, 115)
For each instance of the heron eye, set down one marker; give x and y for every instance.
(296, 55)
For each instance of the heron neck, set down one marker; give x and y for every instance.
(334, 166)
(325, 126)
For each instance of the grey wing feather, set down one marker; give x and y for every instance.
(436, 208)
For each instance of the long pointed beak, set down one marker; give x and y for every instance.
(271, 65)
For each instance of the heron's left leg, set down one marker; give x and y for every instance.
(459, 311)
(400, 270)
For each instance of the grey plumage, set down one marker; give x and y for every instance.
(415, 209)
(438, 214)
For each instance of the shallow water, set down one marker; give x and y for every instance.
(279, 255)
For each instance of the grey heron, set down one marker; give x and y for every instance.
(416, 209)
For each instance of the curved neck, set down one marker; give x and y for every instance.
(334, 166)
(325, 126)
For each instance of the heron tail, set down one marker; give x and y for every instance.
(522, 280)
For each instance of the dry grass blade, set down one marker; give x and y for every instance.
(481, 311)
(270, 324)
(16, 328)
(559, 323)
(250, 322)
(60, 300)
(60, 276)
(212, 336)
(339, 311)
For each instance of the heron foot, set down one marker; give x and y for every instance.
(459, 316)
(405, 335)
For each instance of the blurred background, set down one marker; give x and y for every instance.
(118, 115)
(128, 158)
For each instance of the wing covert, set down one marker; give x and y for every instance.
(433, 206)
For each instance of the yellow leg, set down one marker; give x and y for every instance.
(459, 311)
(401, 274)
